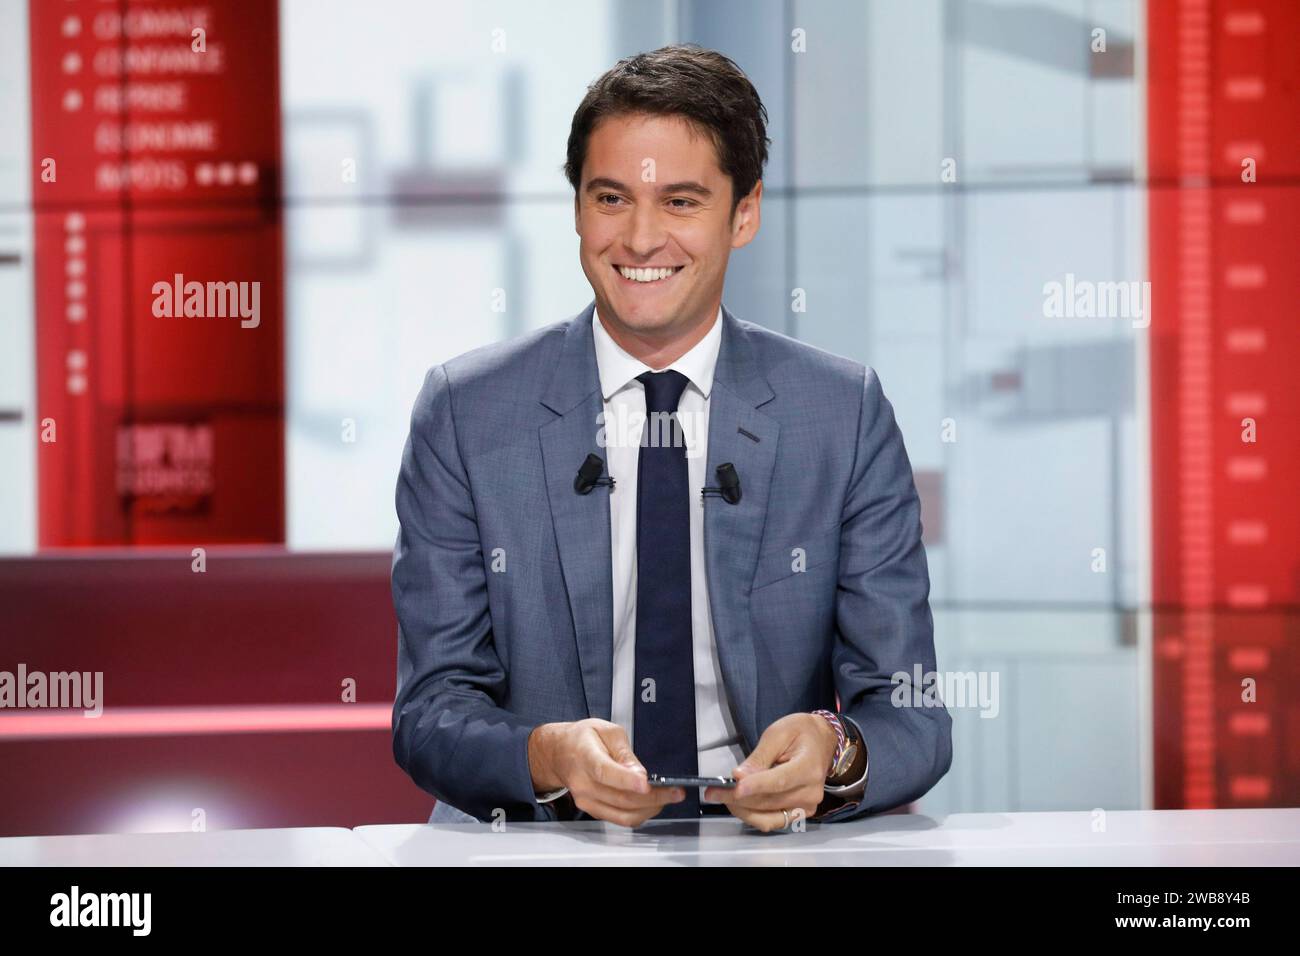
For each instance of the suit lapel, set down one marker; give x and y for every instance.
(581, 521)
(738, 433)
(733, 533)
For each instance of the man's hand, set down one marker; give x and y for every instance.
(786, 771)
(594, 759)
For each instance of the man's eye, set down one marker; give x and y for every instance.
(605, 196)
(688, 203)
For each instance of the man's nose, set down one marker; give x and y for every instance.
(646, 232)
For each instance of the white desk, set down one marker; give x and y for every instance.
(306, 846)
(1131, 838)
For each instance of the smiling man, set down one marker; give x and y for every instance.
(578, 611)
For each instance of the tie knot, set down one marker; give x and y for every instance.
(663, 390)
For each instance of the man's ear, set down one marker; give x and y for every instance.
(747, 217)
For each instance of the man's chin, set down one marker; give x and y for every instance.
(655, 331)
(644, 320)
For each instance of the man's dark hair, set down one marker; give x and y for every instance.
(702, 86)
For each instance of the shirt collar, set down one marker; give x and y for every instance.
(617, 368)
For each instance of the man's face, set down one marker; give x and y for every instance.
(652, 195)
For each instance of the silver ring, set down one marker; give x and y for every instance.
(786, 814)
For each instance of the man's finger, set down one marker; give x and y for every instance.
(617, 745)
(764, 820)
(784, 800)
(607, 772)
(761, 800)
(620, 768)
(771, 745)
(775, 780)
(625, 800)
(617, 776)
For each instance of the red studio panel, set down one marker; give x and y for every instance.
(1223, 98)
(159, 273)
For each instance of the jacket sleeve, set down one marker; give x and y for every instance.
(449, 731)
(884, 627)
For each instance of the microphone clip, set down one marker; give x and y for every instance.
(589, 475)
(728, 487)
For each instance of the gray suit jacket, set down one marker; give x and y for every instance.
(502, 577)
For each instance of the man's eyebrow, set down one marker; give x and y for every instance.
(686, 186)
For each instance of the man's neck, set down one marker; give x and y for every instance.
(659, 353)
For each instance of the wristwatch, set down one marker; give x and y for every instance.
(846, 750)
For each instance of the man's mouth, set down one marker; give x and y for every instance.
(654, 276)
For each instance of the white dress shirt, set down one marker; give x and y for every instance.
(719, 743)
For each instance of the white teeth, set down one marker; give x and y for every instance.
(645, 275)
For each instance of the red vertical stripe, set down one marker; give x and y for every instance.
(1222, 91)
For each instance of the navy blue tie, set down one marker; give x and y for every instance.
(663, 727)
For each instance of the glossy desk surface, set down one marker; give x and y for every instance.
(1268, 837)
(299, 846)
(1119, 838)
